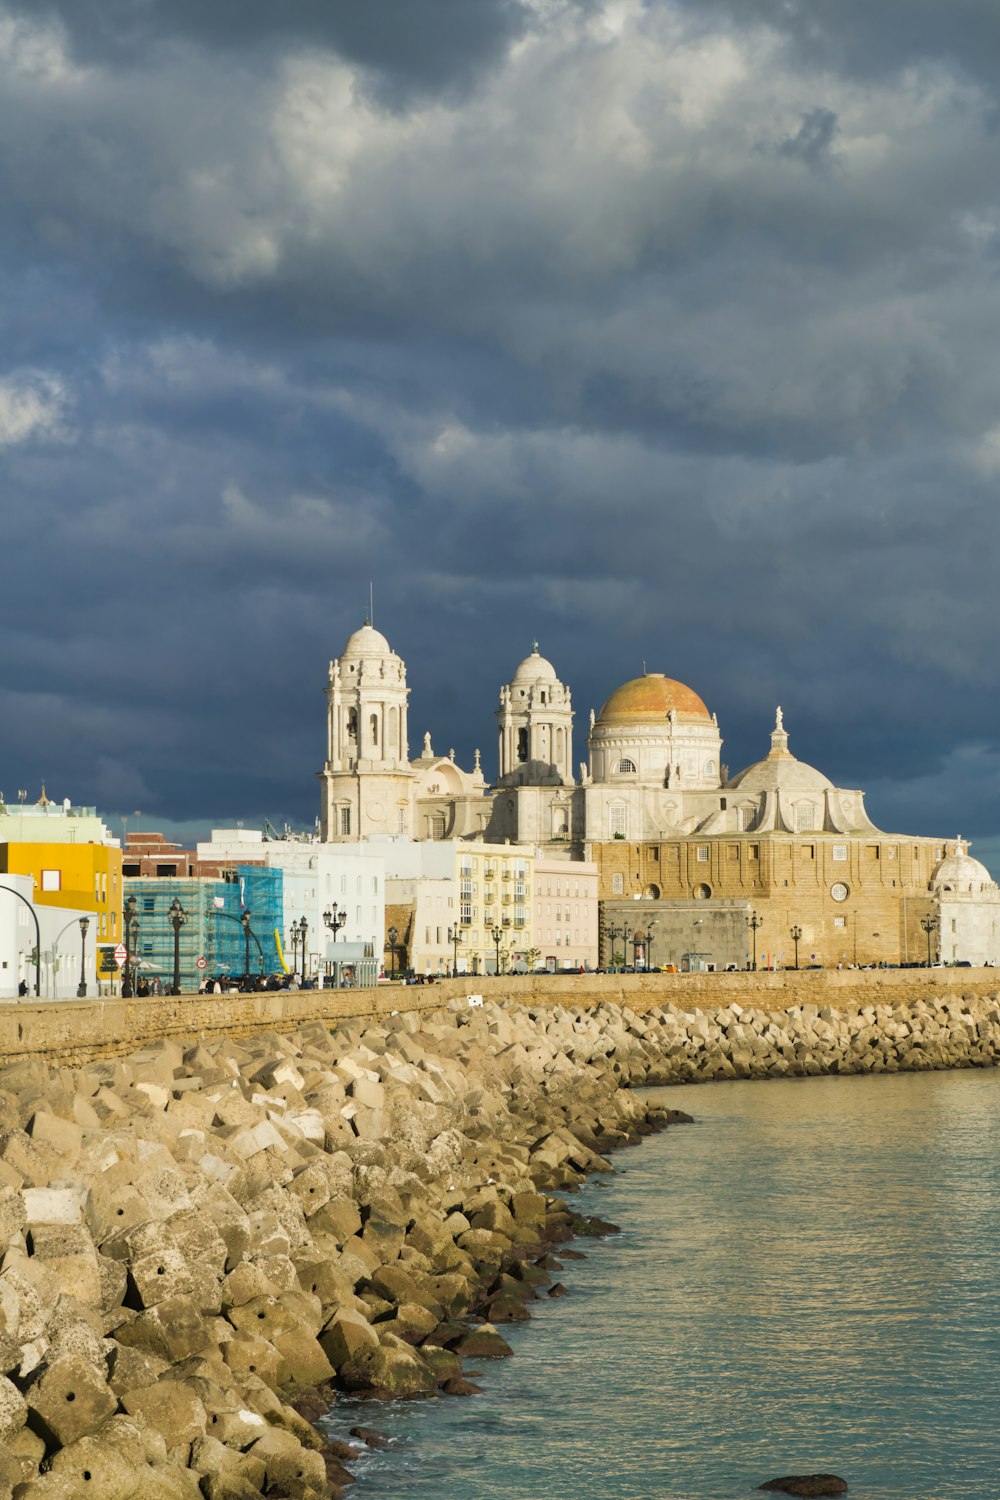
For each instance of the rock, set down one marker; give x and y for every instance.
(371, 1437)
(808, 1484)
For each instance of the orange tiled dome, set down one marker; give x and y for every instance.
(651, 698)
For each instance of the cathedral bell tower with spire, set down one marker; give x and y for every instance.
(367, 781)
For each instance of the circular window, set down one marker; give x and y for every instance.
(702, 892)
(839, 892)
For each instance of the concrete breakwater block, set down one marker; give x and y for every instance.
(194, 1238)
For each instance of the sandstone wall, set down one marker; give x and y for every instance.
(76, 1031)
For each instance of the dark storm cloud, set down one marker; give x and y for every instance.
(423, 43)
(632, 328)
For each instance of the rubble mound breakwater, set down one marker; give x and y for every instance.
(205, 1242)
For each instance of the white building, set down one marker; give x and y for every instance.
(67, 955)
(345, 880)
(968, 909)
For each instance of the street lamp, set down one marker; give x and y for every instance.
(614, 933)
(244, 921)
(178, 916)
(649, 947)
(392, 935)
(81, 988)
(335, 918)
(496, 933)
(755, 922)
(293, 938)
(795, 934)
(130, 922)
(454, 938)
(303, 930)
(928, 923)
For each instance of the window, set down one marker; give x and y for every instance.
(702, 854)
(840, 921)
(51, 880)
(618, 815)
(840, 853)
(753, 851)
(808, 851)
(375, 885)
(149, 903)
(805, 817)
(618, 885)
(625, 767)
(702, 892)
(345, 820)
(733, 851)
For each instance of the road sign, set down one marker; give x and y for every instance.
(201, 963)
(106, 960)
(121, 954)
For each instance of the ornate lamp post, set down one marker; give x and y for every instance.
(334, 918)
(178, 916)
(293, 938)
(454, 938)
(649, 947)
(303, 930)
(496, 933)
(130, 922)
(928, 923)
(614, 933)
(795, 935)
(81, 988)
(755, 922)
(244, 921)
(392, 935)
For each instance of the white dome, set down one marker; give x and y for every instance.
(959, 872)
(535, 668)
(367, 642)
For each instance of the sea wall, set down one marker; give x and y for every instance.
(206, 1241)
(80, 1030)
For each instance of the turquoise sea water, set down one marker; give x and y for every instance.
(808, 1279)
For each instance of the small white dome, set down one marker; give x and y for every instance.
(367, 642)
(958, 872)
(535, 668)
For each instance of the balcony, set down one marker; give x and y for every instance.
(490, 872)
(505, 875)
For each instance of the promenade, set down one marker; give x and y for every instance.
(77, 1031)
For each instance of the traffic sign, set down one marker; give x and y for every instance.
(121, 954)
(201, 963)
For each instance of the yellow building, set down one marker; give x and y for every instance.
(495, 906)
(75, 876)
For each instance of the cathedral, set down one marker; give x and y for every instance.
(771, 864)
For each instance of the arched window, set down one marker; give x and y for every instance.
(373, 722)
(522, 744)
(352, 724)
(393, 735)
(625, 767)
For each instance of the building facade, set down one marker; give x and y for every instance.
(655, 810)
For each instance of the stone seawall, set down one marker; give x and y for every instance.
(80, 1030)
(206, 1241)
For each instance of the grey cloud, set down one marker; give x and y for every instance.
(424, 43)
(865, 38)
(654, 344)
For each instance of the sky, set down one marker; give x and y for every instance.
(657, 331)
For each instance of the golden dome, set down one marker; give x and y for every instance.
(651, 698)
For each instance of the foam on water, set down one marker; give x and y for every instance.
(808, 1279)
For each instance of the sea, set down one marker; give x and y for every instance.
(807, 1279)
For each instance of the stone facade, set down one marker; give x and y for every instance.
(656, 810)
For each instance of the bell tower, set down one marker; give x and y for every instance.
(366, 779)
(535, 726)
